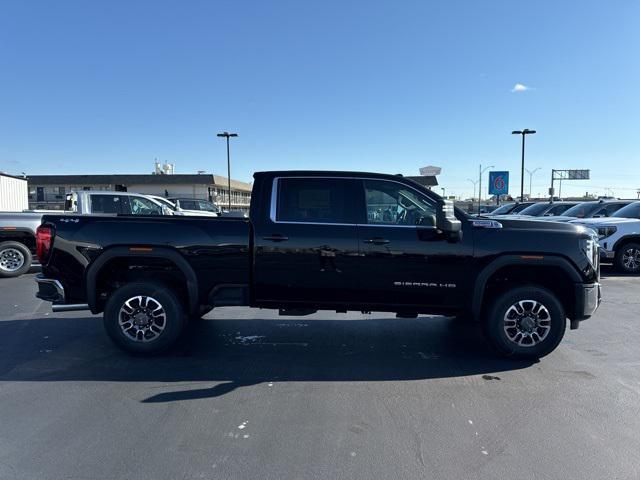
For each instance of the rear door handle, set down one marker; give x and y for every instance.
(276, 238)
(377, 241)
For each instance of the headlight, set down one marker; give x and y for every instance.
(590, 249)
(604, 232)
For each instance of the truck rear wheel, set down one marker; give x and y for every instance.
(144, 318)
(15, 259)
(627, 258)
(527, 322)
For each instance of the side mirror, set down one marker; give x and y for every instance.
(447, 222)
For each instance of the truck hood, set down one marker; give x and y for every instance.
(523, 222)
(595, 222)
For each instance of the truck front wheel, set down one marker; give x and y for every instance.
(527, 322)
(627, 258)
(144, 318)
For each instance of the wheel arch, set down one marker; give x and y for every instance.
(20, 235)
(517, 267)
(125, 253)
(631, 237)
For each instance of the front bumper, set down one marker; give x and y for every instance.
(606, 254)
(588, 297)
(51, 290)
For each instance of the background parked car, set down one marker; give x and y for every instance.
(547, 209)
(509, 208)
(619, 237)
(593, 209)
(195, 206)
(119, 203)
(181, 211)
(18, 229)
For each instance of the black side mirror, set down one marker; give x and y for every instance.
(447, 222)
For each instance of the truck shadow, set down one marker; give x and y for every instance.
(232, 353)
(609, 271)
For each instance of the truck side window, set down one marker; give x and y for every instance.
(390, 203)
(144, 206)
(314, 200)
(105, 204)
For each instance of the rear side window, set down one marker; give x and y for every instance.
(105, 204)
(189, 205)
(315, 200)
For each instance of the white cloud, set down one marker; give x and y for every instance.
(520, 87)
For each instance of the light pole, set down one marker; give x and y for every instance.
(531, 172)
(475, 182)
(480, 183)
(227, 135)
(524, 133)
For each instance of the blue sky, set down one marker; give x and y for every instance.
(106, 87)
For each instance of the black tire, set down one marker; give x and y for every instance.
(15, 259)
(162, 330)
(627, 258)
(529, 329)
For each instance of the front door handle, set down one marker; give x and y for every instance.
(377, 241)
(276, 238)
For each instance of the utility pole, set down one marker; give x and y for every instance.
(524, 133)
(227, 135)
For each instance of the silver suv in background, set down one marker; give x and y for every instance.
(179, 207)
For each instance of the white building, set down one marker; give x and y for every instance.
(13, 193)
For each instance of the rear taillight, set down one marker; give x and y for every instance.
(43, 242)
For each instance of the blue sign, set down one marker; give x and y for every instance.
(498, 183)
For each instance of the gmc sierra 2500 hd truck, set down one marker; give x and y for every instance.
(324, 241)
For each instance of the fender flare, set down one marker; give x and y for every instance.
(158, 252)
(517, 260)
(17, 234)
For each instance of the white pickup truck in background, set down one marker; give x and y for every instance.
(18, 229)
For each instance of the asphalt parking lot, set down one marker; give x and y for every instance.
(248, 394)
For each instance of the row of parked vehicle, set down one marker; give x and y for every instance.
(18, 229)
(617, 223)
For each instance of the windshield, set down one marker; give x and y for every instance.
(630, 211)
(207, 206)
(582, 210)
(535, 209)
(521, 207)
(504, 209)
(164, 201)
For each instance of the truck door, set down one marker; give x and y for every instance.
(404, 259)
(306, 251)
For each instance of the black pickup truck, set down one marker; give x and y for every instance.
(324, 241)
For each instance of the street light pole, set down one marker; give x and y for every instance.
(227, 135)
(524, 133)
(475, 182)
(531, 172)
